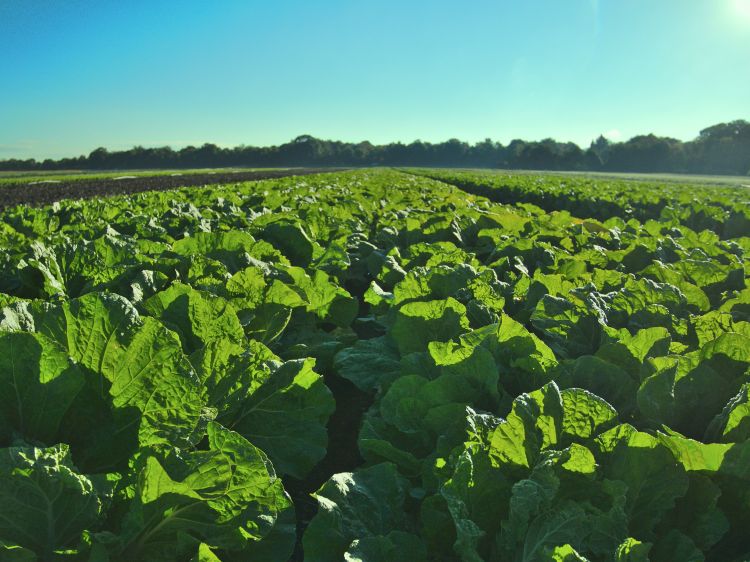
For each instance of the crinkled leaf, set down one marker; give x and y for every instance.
(198, 317)
(140, 388)
(46, 503)
(38, 384)
(226, 497)
(359, 505)
(419, 323)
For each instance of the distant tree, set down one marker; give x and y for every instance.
(644, 153)
(600, 148)
(486, 154)
(99, 159)
(720, 149)
(723, 149)
(452, 152)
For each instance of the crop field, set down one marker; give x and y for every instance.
(377, 365)
(34, 176)
(686, 180)
(40, 190)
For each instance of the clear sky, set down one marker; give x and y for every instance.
(78, 74)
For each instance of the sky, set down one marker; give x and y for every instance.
(79, 74)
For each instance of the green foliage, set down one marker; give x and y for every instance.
(359, 515)
(562, 382)
(46, 502)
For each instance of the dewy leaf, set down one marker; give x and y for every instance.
(282, 408)
(46, 504)
(38, 384)
(140, 389)
(226, 497)
(419, 323)
(197, 317)
(359, 505)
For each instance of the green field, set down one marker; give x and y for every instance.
(69, 175)
(379, 365)
(72, 175)
(683, 179)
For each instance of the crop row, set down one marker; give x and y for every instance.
(723, 210)
(540, 386)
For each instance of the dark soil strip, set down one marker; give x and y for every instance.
(44, 194)
(342, 455)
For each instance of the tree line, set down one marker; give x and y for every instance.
(719, 149)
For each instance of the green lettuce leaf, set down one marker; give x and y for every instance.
(226, 497)
(418, 323)
(46, 503)
(282, 408)
(363, 505)
(198, 317)
(38, 385)
(139, 387)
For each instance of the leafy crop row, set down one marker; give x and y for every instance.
(722, 210)
(543, 386)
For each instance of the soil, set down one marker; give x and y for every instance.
(342, 454)
(22, 193)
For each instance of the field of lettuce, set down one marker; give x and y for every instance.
(378, 366)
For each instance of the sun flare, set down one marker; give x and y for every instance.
(742, 8)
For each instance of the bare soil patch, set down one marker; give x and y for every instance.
(43, 193)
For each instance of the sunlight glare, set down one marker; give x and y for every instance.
(742, 8)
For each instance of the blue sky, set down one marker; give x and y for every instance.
(78, 74)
